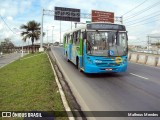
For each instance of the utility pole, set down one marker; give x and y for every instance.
(47, 36)
(148, 43)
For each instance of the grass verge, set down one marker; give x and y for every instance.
(29, 85)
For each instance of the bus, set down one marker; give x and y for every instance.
(97, 47)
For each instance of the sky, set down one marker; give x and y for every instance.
(141, 17)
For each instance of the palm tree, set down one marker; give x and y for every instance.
(31, 31)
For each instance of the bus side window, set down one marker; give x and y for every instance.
(71, 39)
(74, 38)
(78, 37)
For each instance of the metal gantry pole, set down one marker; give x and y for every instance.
(71, 25)
(60, 31)
(41, 49)
(52, 34)
(148, 43)
(53, 12)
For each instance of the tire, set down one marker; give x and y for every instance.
(78, 65)
(67, 57)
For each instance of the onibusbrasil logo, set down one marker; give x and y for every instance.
(118, 60)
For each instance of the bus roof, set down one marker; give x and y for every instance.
(84, 26)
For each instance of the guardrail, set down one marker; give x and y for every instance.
(142, 58)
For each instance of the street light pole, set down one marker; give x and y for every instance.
(47, 35)
(52, 34)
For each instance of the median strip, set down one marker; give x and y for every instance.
(30, 85)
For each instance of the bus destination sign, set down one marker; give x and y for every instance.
(105, 26)
(102, 16)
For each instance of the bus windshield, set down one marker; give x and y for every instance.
(109, 43)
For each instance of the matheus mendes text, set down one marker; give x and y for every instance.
(142, 115)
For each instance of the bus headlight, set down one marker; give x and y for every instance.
(89, 60)
(124, 61)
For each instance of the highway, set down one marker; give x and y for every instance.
(136, 90)
(8, 58)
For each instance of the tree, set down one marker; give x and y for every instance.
(31, 31)
(7, 46)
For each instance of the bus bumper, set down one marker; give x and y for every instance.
(95, 69)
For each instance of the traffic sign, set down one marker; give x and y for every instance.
(102, 16)
(67, 14)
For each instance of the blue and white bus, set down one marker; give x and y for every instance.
(97, 47)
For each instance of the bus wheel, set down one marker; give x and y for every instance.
(67, 57)
(78, 65)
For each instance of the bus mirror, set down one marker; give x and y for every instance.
(84, 35)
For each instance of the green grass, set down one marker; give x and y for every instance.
(29, 84)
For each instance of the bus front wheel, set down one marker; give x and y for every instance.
(78, 65)
(67, 57)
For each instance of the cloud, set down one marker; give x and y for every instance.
(156, 32)
(132, 37)
(9, 18)
(16, 13)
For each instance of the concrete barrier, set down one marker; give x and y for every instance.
(158, 64)
(134, 57)
(142, 59)
(151, 60)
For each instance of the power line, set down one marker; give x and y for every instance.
(144, 17)
(134, 8)
(142, 11)
(7, 25)
(143, 24)
(143, 20)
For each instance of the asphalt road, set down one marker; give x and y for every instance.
(136, 90)
(8, 58)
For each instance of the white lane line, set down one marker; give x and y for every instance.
(139, 76)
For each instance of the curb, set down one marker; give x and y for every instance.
(74, 90)
(64, 100)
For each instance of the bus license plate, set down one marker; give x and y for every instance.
(108, 69)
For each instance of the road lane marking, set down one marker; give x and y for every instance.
(139, 76)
